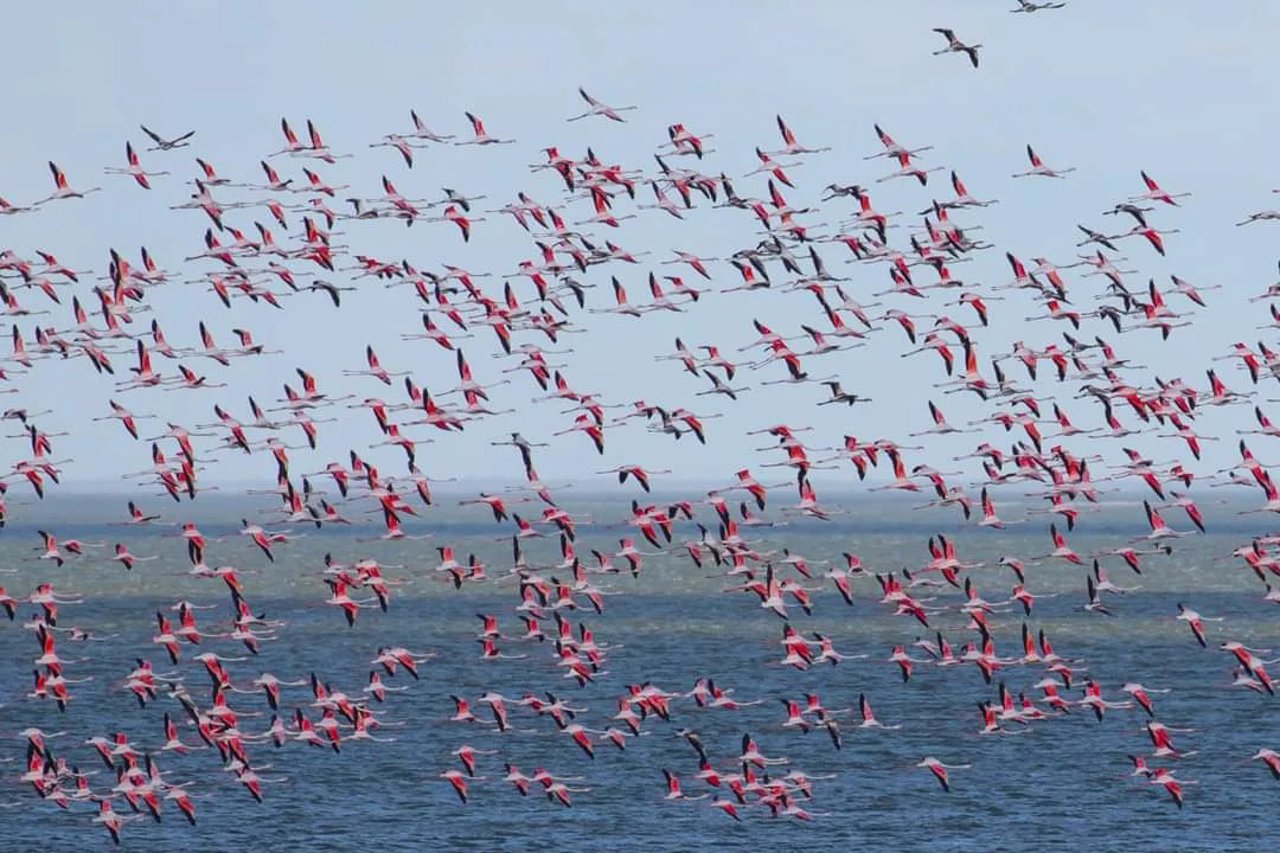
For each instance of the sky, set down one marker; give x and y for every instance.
(1178, 89)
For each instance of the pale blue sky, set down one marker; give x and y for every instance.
(1181, 89)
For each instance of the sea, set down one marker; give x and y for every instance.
(1060, 783)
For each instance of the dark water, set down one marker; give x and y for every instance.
(1063, 783)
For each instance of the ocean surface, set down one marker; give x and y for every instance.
(1062, 783)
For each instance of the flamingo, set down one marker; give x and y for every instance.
(62, 187)
(1038, 167)
(940, 771)
(599, 108)
(1270, 758)
(134, 169)
(163, 144)
(1155, 193)
(481, 136)
(1030, 6)
(954, 45)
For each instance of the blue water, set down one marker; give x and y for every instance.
(1062, 783)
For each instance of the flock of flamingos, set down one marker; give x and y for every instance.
(274, 238)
